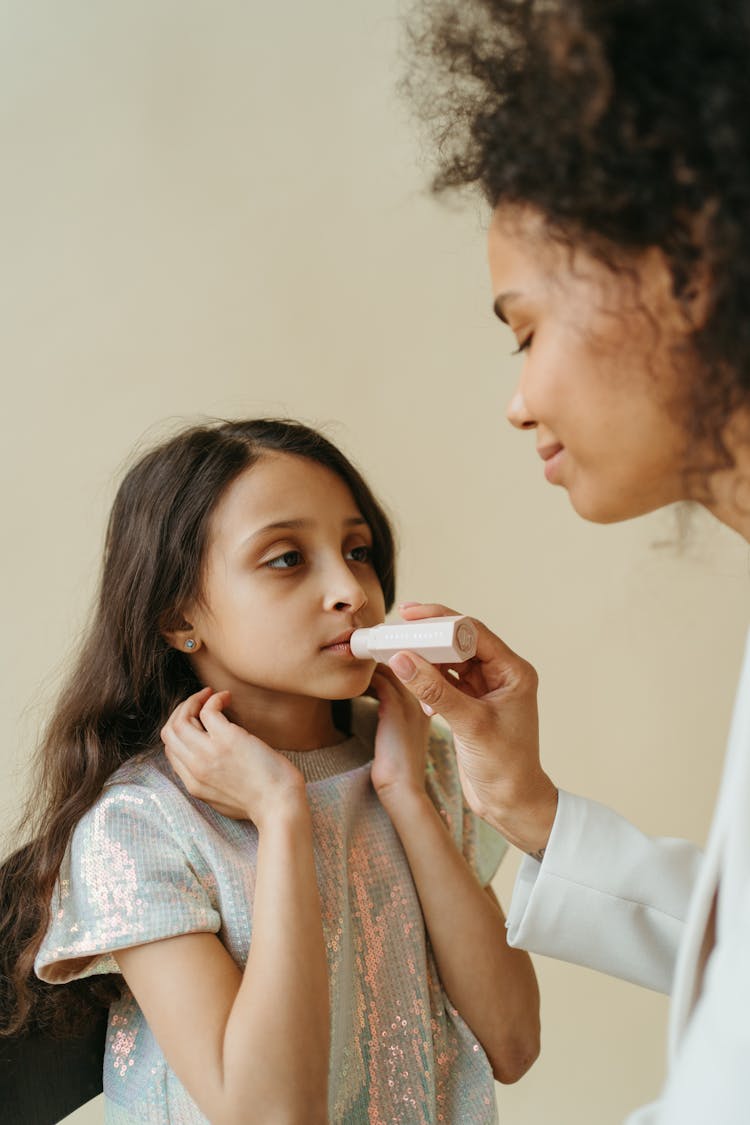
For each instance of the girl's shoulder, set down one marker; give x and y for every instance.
(149, 768)
(143, 788)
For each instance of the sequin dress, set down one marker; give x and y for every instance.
(149, 861)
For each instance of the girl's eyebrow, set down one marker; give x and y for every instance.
(296, 524)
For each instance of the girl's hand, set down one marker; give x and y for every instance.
(401, 738)
(490, 705)
(225, 766)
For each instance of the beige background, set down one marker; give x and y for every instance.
(217, 209)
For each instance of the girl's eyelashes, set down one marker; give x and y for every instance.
(361, 554)
(287, 561)
(290, 560)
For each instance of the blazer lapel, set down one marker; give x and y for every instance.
(733, 790)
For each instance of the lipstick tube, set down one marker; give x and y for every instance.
(441, 640)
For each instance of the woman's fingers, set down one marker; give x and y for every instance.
(432, 689)
(486, 671)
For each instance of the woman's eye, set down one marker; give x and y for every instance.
(286, 561)
(360, 554)
(524, 345)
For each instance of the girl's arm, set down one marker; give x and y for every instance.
(493, 986)
(249, 1047)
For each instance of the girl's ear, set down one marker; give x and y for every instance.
(181, 635)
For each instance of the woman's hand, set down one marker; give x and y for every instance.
(225, 766)
(489, 703)
(401, 738)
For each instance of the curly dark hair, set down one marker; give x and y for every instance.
(626, 124)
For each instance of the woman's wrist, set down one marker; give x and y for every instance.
(525, 818)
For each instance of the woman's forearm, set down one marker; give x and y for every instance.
(493, 986)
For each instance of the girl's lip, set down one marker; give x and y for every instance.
(341, 648)
(340, 641)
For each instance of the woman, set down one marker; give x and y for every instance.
(610, 138)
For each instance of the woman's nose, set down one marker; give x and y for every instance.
(518, 413)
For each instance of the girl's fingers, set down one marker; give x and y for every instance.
(176, 759)
(187, 711)
(192, 705)
(212, 712)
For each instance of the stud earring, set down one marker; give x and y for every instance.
(190, 643)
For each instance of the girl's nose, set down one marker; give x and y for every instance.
(344, 591)
(518, 413)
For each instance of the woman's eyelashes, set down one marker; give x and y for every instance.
(524, 345)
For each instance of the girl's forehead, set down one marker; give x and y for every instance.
(283, 486)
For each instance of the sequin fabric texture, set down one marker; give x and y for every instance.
(149, 861)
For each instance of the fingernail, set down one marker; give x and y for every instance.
(426, 708)
(407, 605)
(403, 666)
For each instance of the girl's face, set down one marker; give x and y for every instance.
(599, 381)
(287, 578)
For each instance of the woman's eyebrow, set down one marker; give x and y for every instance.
(500, 304)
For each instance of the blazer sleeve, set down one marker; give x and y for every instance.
(605, 895)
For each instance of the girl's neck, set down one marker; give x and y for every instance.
(285, 722)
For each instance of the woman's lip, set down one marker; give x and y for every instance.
(552, 463)
(547, 451)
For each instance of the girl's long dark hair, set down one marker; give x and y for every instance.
(127, 679)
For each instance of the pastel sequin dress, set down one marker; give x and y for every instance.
(149, 861)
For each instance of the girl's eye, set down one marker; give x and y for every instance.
(286, 561)
(360, 554)
(524, 345)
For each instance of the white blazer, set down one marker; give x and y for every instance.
(609, 897)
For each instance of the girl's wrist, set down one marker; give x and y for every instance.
(290, 812)
(403, 799)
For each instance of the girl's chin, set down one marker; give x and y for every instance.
(347, 686)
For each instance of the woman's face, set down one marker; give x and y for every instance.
(599, 382)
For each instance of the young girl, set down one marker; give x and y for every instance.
(291, 890)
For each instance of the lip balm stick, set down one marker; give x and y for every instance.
(441, 640)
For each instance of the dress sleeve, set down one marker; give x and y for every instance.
(125, 880)
(482, 846)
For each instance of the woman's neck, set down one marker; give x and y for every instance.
(730, 488)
